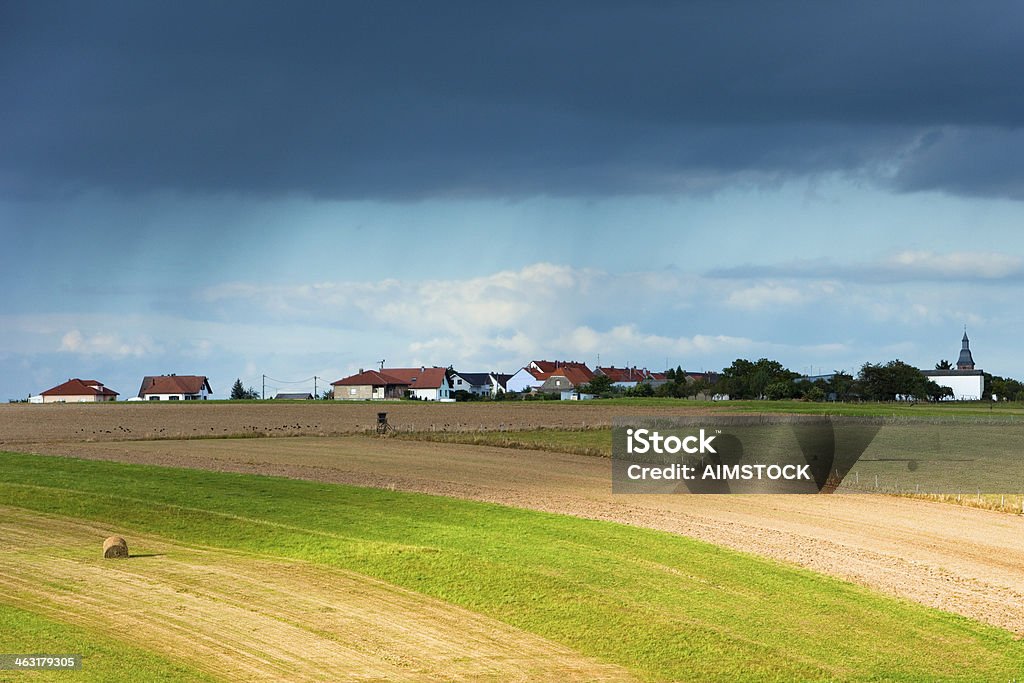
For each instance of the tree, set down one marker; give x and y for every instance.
(599, 385)
(642, 389)
(1006, 389)
(779, 389)
(328, 395)
(815, 393)
(937, 393)
(893, 380)
(749, 380)
(238, 390)
(842, 386)
(943, 365)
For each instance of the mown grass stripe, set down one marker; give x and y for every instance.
(104, 658)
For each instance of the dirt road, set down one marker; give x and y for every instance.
(246, 618)
(962, 560)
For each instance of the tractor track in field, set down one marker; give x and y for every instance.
(248, 618)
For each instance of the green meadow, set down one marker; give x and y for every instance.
(664, 606)
(104, 658)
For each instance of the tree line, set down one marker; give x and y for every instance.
(769, 380)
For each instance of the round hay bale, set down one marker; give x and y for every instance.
(115, 546)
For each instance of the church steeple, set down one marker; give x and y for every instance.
(966, 361)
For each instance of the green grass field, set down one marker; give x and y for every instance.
(978, 409)
(664, 606)
(24, 632)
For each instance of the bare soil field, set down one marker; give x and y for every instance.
(23, 423)
(247, 618)
(965, 561)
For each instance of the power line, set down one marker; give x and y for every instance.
(282, 381)
(275, 384)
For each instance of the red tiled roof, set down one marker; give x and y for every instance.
(419, 378)
(369, 378)
(80, 387)
(552, 365)
(176, 384)
(576, 376)
(624, 374)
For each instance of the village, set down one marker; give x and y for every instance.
(576, 381)
(566, 380)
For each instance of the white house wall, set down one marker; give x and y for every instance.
(965, 387)
(433, 394)
(522, 381)
(478, 389)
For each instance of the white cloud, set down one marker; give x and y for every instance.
(768, 295)
(956, 265)
(105, 344)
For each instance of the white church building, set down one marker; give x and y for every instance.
(967, 383)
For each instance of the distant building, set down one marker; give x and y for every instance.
(175, 388)
(282, 396)
(626, 378)
(535, 375)
(427, 384)
(564, 379)
(369, 385)
(480, 383)
(552, 365)
(476, 383)
(967, 382)
(77, 391)
(526, 380)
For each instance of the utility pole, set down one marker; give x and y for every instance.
(263, 394)
(315, 395)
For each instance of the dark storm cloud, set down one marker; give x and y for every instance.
(391, 100)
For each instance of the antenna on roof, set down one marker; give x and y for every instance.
(382, 365)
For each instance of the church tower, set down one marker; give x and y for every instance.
(966, 361)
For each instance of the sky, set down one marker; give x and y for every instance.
(299, 190)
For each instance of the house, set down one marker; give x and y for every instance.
(480, 383)
(500, 382)
(78, 391)
(552, 365)
(627, 378)
(369, 385)
(966, 383)
(282, 396)
(175, 388)
(426, 384)
(568, 378)
(537, 372)
(526, 380)
(476, 383)
(423, 383)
